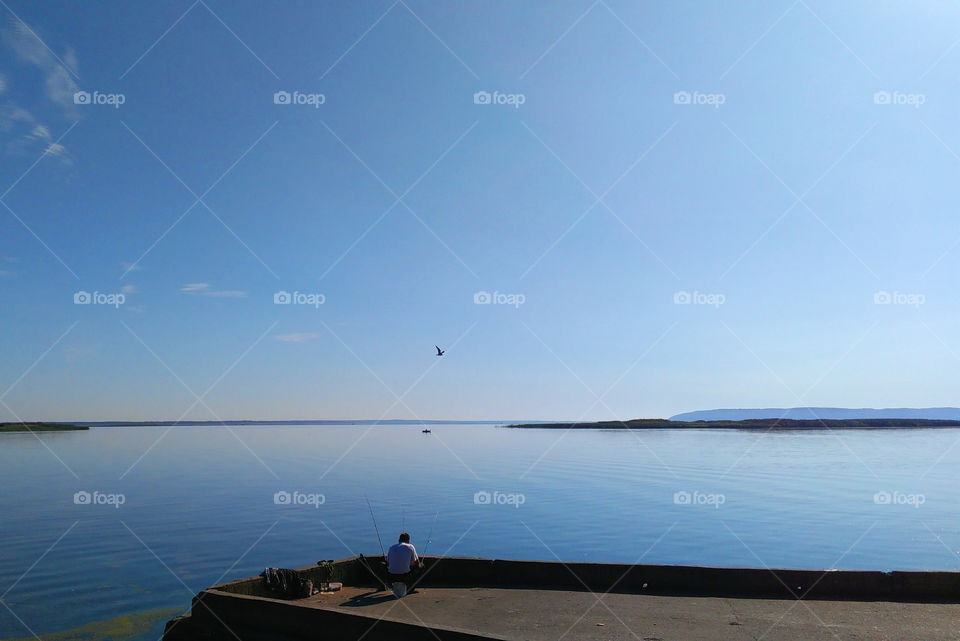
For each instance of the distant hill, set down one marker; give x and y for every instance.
(750, 424)
(811, 413)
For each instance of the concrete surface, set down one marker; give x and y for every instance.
(466, 599)
(552, 615)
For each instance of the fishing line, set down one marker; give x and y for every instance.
(430, 536)
(375, 526)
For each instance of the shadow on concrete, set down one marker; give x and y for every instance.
(369, 598)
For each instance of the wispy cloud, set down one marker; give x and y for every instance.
(23, 132)
(129, 289)
(25, 135)
(129, 267)
(296, 338)
(204, 289)
(57, 78)
(41, 134)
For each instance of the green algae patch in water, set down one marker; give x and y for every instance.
(121, 628)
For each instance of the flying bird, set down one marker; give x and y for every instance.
(440, 352)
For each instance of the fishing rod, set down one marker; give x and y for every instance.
(430, 536)
(375, 526)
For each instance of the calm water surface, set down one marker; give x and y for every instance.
(200, 505)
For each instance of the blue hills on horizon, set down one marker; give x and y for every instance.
(813, 413)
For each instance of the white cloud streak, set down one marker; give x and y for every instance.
(57, 80)
(24, 133)
(203, 289)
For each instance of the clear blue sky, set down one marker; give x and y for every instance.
(794, 202)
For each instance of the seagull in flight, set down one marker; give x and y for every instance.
(440, 352)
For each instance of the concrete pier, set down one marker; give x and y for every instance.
(470, 599)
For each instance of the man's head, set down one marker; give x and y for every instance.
(404, 538)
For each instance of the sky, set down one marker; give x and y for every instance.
(599, 209)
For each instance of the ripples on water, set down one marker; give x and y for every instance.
(200, 504)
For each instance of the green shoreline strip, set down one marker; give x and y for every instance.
(121, 628)
(40, 427)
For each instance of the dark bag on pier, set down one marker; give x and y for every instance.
(287, 582)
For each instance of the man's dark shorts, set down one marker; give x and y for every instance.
(400, 578)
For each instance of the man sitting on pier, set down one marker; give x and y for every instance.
(401, 558)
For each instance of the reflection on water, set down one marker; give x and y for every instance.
(207, 503)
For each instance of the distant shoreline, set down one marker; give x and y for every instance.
(277, 422)
(41, 427)
(750, 424)
(810, 413)
(632, 424)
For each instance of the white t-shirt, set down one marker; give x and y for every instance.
(399, 558)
